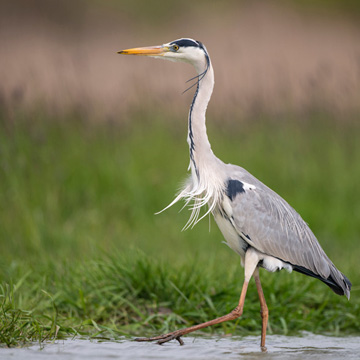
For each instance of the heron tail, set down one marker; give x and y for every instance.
(337, 281)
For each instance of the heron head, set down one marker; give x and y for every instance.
(183, 50)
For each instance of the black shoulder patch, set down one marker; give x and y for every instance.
(185, 42)
(233, 188)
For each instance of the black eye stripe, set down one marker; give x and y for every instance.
(185, 42)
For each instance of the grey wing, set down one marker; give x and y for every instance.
(273, 227)
(269, 224)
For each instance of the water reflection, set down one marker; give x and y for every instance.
(308, 346)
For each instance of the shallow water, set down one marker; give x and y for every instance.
(278, 347)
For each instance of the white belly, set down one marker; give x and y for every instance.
(236, 243)
(233, 240)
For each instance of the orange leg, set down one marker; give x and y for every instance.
(251, 261)
(237, 312)
(264, 311)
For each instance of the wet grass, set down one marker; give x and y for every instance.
(83, 254)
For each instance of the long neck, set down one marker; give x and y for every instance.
(200, 149)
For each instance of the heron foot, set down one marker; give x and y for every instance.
(176, 335)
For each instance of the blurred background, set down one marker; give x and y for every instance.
(86, 132)
(270, 57)
(92, 143)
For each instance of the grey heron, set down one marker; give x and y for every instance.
(256, 222)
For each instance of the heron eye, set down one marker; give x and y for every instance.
(176, 47)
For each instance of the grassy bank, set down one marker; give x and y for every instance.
(82, 252)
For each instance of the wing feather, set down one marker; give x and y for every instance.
(275, 228)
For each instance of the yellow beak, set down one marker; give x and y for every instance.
(149, 51)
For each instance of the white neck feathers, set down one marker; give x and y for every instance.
(204, 186)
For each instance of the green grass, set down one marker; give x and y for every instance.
(82, 252)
